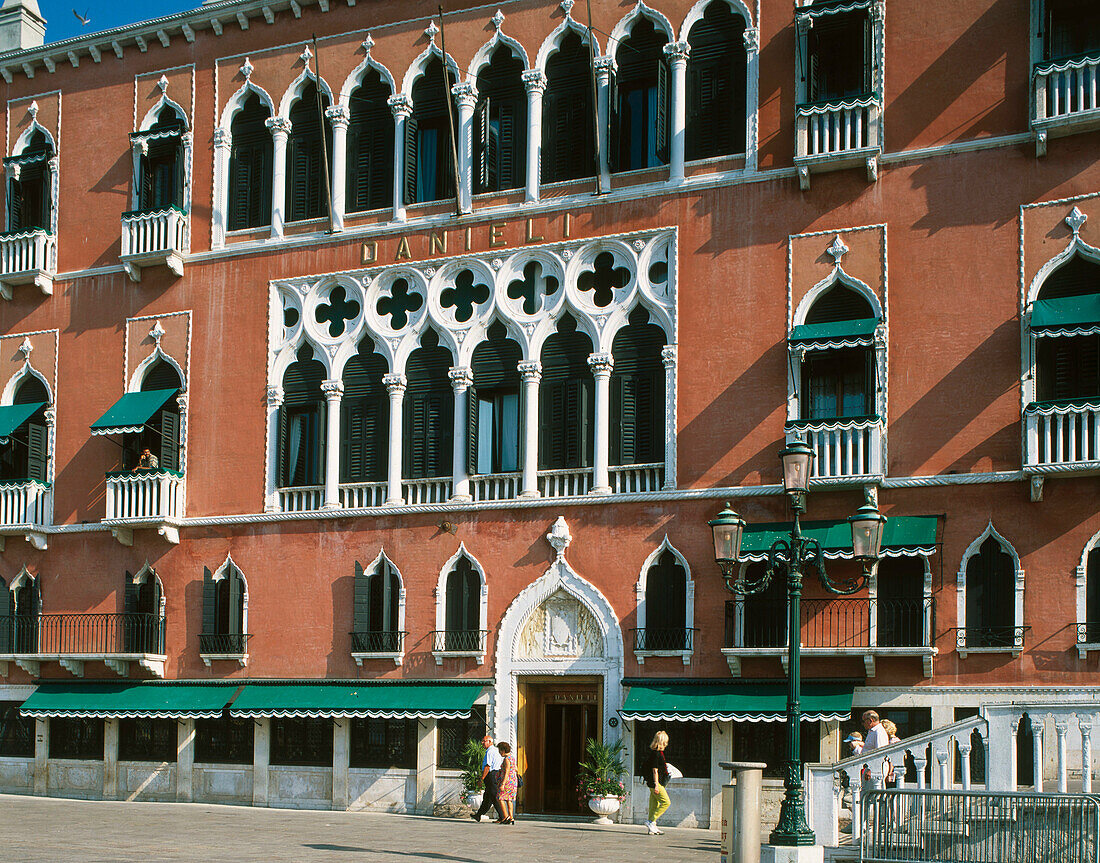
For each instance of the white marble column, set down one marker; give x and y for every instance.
(668, 357)
(601, 365)
(110, 759)
(425, 767)
(334, 391)
(280, 132)
(341, 736)
(677, 53)
(271, 492)
(185, 760)
(1038, 764)
(138, 149)
(752, 96)
(531, 373)
(461, 380)
(261, 759)
(605, 68)
(223, 144)
(401, 106)
(181, 404)
(395, 384)
(41, 756)
(535, 83)
(466, 100)
(339, 116)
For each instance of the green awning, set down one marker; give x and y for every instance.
(737, 702)
(13, 416)
(903, 536)
(131, 412)
(449, 700)
(836, 334)
(1066, 316)
(102, 700)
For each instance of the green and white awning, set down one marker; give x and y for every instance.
(450, 700)
(858, 333)
(1066, 316)
(734, 702)
(103, 700)
(903, 536)
(131, 412)
(13, 416)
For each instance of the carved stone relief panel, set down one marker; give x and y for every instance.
(560, 628)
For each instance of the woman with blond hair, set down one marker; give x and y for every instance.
(656, 777)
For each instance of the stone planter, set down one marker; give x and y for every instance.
(604, 807)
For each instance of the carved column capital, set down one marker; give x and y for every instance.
(394, 382)
(279, 126)
(751, 37)
(274, 396)
(668, 356)
(332, 389)
(462, 377)
(465, 94)
(601, 364)
(677, 52)
(223, 140)
(604, 67)
(401, 106)
(338, 115)
(530, 371)
(50, 415)
(533, 79)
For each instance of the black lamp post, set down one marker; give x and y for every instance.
(792, 557)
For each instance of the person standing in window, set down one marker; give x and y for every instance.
(148, 461)
(509, 783)
(490, 779)
(656, 777)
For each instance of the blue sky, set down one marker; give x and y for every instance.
(61, 23)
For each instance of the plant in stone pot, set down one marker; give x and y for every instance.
(473, 754)
(600, 778)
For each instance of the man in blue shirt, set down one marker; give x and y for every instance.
(490, 776)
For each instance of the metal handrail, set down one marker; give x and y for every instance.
(459, 640)
(76, 634)
(378, 642)
(681, 639)
(224, 643)
(830, 622)
(1088, 632)
(974, 637)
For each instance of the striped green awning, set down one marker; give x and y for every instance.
(836, 334)
(103, 700)
(903, 536)
(736, 702)
(131, 412)
(1066, 316)
(13, 416)
(451, 700)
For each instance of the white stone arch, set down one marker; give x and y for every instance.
(1076, 246)
(621, 31)
(237, 100)
(620, 319)
(24, 576)
(479, 335)
(485, 53)
(642, 610)
(1081, 579)
(355, 79)
(960, 586)
(146, 573)
(441, 604)
(289, 355)
(8, 395)
(24, 139)
(837, 276)
(373, 569)
(152, 115)
(417, 67)
(552, 42)
(696, 12)
(560, 576)
(410, 342)
(294, 92)
(146, 364)
(223, 146)
(548, 327)
(221, 573)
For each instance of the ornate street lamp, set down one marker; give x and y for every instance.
(792, 557)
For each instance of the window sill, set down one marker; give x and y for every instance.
(734, 655)
(477, 655)
(965, 651)
(397, 658)
(207, 658)
(74, 663)
(1085, 647)
(685, 655)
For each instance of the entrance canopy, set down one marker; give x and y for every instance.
(129, 700)
(450, 700)
(1066, 316)
(903, 536)
(736, 702)
(13, 416)
(131, 412)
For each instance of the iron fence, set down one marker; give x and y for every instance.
(829, 622)
(1088, 632)
(460, 640)
(914, 826)
(1008, 637)
(225, 643)
(663, 639)
(77, 634)
(377, 642)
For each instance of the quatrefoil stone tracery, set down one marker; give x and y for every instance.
(337, 312)
(400, 303)
(603, 279)
(535, 284)
(466, 293)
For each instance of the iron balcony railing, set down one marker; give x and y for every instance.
(378, 642)
(830, 623)
(82, 634)
(1006, 637)
(664, 639)
(1088, 632)
(459, 640)
(913, 826)
(223, 643)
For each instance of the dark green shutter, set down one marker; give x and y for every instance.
(7, 625)
(37, 451)
(209, 603)
(509, 158)
(664, 100)
(169, 440)
(361, 612)
(236, 600)
(482, 135)
(389, 597)
(130, 601)
(15, 206)
(411, 166)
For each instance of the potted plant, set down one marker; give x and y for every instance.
(600, 778)
(473, 754)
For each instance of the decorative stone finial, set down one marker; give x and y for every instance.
(567, 7)
(838, 250)
(367, 44)
(306, 56)
(431, 31)
(33, 111)
(1076, 220)
(246, 69)
(559, 537)
(26, 348)
(156, 333)
(163, 84)
(497, 19)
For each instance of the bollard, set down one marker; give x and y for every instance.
(741, 812)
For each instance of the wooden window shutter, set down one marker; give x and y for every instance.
(169, 440)
(390, 598)
(7, 625)
(209, 603)
(414, 432)
(481, 147)
(455, 589)
(240, 179)
(361, 609)
(472, 598)
(15, 205)
(440, 434)
(412, 166)
(551, 425)
(381, 167)
(37, 451)
(236, 600)
(548, 166)
(664, 100)
(145, 183)
(472, 432)
(510, 157)
(650, 418)
(130, 603)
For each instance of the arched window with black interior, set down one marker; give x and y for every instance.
(377, 625)
(716, 84)
(638, 392)
(990, 598)
(25, 602)
(24, 448)
(429, 411)
(364, 417)
(161, 432)
(224, 612)
(494, 405)
(159, 163)
(566, 399)
(429, 168)
(837, 381)
(306, 196)
(370, 145)
(568, 125)
(500, 124)
(462, 614)
(302, 422)
(759, 619)
(640, 100)
(666, 604)
(1065, 321)
(28, 188)
(251, 158)
(143, 623)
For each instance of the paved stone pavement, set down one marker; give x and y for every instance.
(77, 831)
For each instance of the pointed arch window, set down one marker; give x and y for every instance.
(429, 411)
(838, 56)
(494, 404)
(500, 124)
(638, 392)
(24, 454)
(370, 146)
(568, 129)
(301, 421)
(29, 198)
(224, 615)
(716, 85)
(306, 197)
(640, 100)
(1067, 352)
(1088, 630)
(462, 614)
(379, 612)
(566, 399)
(837, 381)
(364, 417)
(143, 623)
(991, 601)
(161, 432)
(666, 613)
(250, 164)
(159, 166)
(759, 619)
(429, 172)
(24, 612)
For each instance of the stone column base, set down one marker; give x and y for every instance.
(787, 854)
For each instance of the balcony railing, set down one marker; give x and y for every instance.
(496, 486)
(662, 640)
(838, 134)
(82, 634)
(844, 448)
(145, 495)
(417, 491)
(990, 639)
(459, 640)
(565, 483)
(1061, 434)
(26, 503)
(360, 495)
(223, 643)
(302, 498)
(629, 478)
(28, 257)
(378, 642)
(157, 237)
(1067, 97)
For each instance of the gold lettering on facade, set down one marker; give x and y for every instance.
(531, 238)
(566, 226)
(437, 241)
(370, 252)
(403, 253)
(496, 234)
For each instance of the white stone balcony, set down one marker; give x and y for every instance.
(27, 258)
(145, 498)
(26, 507)
(1061, 437)
(565, 483)
(848, 451)
(1066, 99)
(833, 136)
(157, 238)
